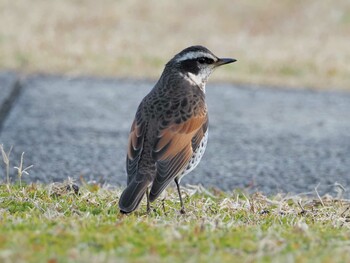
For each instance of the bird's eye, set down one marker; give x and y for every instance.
(202, 60)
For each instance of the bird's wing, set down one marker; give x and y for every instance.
(173, 150)
(135, 146)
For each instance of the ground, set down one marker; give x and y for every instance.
(56, 224)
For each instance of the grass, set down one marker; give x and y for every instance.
(55, 224)
(285, 43)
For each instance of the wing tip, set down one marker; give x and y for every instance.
(157, 190)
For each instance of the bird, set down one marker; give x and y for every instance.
(169, 133)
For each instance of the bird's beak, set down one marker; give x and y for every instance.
(223, 61)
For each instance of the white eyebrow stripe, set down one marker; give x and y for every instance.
(193, 55)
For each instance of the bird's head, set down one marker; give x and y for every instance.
(197, 63)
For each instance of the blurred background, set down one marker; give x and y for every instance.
(284, 43)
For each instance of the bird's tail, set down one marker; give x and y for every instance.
(132, 195)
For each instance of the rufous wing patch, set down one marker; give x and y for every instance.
(173, 151)
(135, 140)
(176, 137)
(135, 144)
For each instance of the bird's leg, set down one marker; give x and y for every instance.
(148, 204)
(163, 205)
(182, 210)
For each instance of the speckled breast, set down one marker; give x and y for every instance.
(196, 156)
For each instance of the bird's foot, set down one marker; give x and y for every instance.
(182, 211)
(149, 209)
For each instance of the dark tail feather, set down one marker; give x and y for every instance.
(132, 196)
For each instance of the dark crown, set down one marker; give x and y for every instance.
(193, 49)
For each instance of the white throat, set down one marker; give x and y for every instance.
(200, 80)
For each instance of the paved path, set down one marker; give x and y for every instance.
(260, 138)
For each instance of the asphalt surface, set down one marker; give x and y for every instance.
(260, 138)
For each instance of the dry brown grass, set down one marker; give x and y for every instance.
(294, 43)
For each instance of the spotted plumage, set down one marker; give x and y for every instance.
(170, 131)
